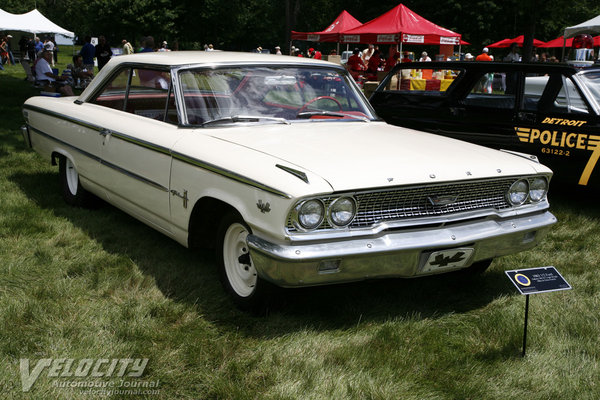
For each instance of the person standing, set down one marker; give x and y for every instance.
(513, 56)
(424, 57)
(103, 52)
(49, 46)
(9, 49)
(148, 45)
(88, 51)
(484, 56)
(38, 46)
(127, 47)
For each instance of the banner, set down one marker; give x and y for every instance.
(313, 38)
(449, 40)
(351, 38)
(413, 38)
(387, 38)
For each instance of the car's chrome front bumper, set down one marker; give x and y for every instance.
(393, 254)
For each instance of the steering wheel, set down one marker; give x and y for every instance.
(305, 106)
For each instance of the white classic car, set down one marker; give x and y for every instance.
(282, 164)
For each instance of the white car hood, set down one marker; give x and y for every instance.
(353, 155)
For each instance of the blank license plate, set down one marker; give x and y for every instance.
(447, 259)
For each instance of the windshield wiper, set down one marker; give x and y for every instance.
(308, 114)
(245, 118)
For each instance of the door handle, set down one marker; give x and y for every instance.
(526, 117)
(457, 111)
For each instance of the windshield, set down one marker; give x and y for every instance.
(269, 94)
(591, 80)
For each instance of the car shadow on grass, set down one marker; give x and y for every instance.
(190, 277)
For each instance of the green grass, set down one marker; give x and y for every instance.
(80, 284)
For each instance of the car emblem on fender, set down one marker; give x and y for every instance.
(442, 200)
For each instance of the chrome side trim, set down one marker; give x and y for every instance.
(189, 160)
(229, 174)
(77, 149)
(103, 162)
(98, 128)
(62, 116)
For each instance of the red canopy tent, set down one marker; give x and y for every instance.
(558, 42)
(400, 25)
(518, 40)
(343, 22)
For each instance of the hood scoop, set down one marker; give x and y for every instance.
(295, 172)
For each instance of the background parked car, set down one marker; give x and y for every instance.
(550, 111)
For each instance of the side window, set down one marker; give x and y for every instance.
(142, 92)
(534, 89)
(150, 95)
(424, 81)
(113, 94)
(494, 90)
(569, 100)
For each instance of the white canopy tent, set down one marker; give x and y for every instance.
(33, 22)
(591, 25)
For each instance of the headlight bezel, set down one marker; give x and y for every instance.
(297, 215)
(330, 210)
(525, 192)
(536, 199)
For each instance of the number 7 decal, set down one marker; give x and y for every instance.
(589, 167)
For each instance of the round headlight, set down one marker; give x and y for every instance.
(342, 211)
(310, 214)
(518, 192)
(538, 189)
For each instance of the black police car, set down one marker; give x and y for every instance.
(548, 110)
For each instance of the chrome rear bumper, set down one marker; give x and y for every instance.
(393, 254)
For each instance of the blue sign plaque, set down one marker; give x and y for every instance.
(537, 280)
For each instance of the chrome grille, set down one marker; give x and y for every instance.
(414, 202)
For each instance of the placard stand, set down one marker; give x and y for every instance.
(525, 328)
(535, 280)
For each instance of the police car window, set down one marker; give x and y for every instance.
(569, 100)
(434, 82)
(493, 90)
(534, 89)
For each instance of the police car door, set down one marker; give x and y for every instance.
(557, 123)
(485, 112)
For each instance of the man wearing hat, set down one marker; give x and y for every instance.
(9, 49)
(484, 55)
(468, 57)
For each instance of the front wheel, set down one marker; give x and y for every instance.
(72, 191)
(236, 270)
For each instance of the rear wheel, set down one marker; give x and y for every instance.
(72, 191)
(236, 270)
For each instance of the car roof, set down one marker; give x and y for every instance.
(178, 58)
(170, 59)
(501, 66)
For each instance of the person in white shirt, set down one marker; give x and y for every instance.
(424, 57)
(49, 45)
(43, 72)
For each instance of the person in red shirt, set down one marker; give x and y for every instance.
(392, 61)
(484, 56)
(406, 58)
(355, 62)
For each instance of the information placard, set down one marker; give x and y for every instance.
(537, 280)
